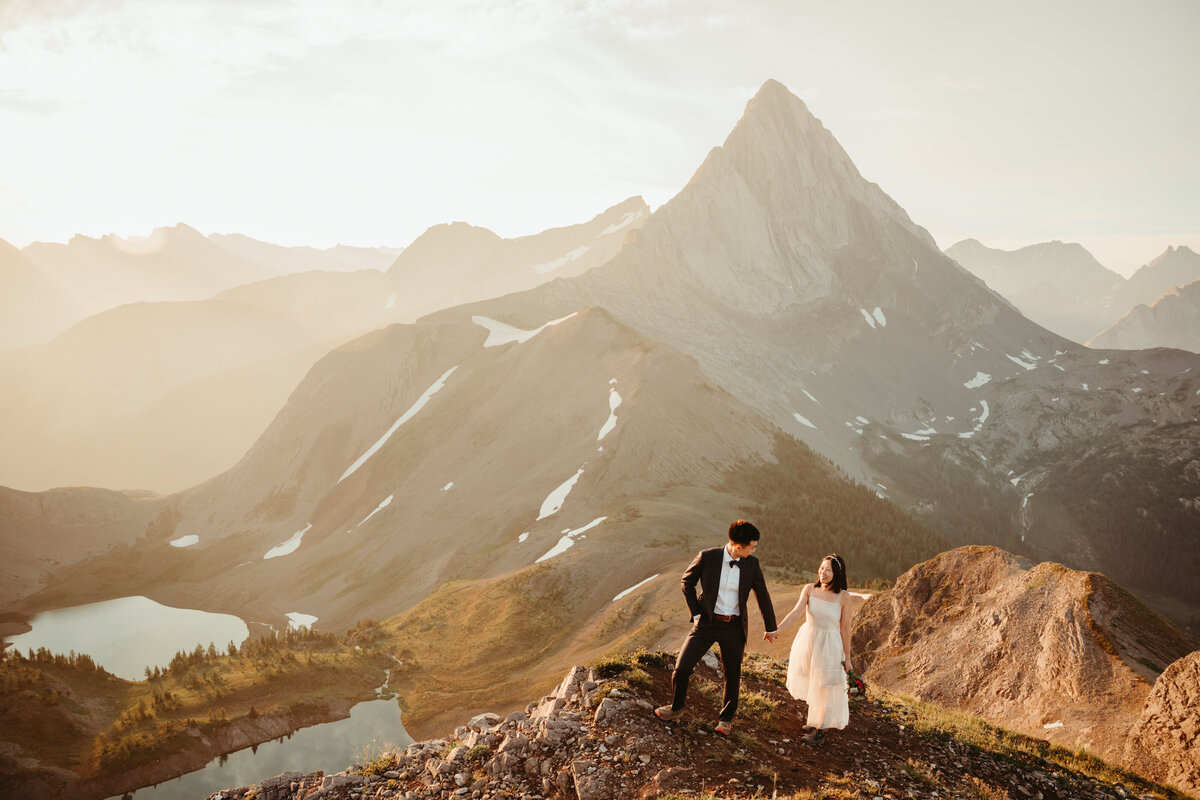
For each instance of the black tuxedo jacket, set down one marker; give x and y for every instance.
(705, 570)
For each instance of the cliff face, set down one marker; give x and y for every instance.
(1048, 651)
(1164, 743)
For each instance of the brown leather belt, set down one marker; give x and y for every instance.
(725, 617)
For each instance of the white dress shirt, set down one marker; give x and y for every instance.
(731, 580)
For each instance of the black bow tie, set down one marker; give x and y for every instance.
(736, 563)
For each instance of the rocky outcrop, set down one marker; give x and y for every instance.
(551, 748)
(1164, 744)
(1049, 651)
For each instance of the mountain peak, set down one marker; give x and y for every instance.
(776, 113)
(1173, 267)
(772, 91)
(779, 216)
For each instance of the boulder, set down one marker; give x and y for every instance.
(484, 722)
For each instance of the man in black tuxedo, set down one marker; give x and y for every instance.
(726, 576)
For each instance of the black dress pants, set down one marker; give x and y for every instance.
(732, 641)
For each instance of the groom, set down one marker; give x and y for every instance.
(726, 576)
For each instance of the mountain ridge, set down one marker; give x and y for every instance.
(1063, 287)
(1172, 320)
(1049, 651)
(164, 394)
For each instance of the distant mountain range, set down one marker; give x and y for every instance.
(778, 292)
(1172, 320)
(1062, 287)
(53, 286)
(163, 395)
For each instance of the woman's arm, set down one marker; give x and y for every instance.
(845, 628)
(797, 610)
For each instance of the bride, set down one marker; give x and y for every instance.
(820, 656)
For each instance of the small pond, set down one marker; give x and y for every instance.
(372, 727)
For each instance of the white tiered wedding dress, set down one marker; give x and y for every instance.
(815, 672)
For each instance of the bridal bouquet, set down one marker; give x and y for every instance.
(855, 685)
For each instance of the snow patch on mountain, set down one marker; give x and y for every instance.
(624, 222)
(568, 539)
(502, 333)
(983, 415)
(550, 266)
(804, 421)
(555, 500)
(386, 502)
(614, 401)
(979, 380)
(290, 546)
(635, 587)
(1025, 364)
(405, 417)
(185, 541)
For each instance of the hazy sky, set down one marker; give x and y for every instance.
(366, 121)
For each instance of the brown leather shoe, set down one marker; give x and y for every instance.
(667, 714)
(724, 727)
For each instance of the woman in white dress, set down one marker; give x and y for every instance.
(820, 656)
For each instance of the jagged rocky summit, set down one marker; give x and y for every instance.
(1055, 653)
(596, 738)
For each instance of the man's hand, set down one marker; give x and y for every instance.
(771, 637)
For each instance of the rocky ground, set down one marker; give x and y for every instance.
(596, 738)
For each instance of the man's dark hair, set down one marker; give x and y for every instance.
(743, 532)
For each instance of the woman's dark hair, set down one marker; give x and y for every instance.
(839, 584)
(743, 532)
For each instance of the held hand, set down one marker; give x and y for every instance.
(771, 637)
